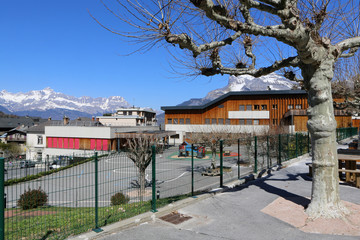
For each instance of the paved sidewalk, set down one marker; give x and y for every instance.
(234, 214)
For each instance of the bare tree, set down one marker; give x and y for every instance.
(211, 139)
(312, 35)
(140, 152)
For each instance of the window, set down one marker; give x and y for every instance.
(169, 121)
(187, 121)
(227, 121)
(221, 121)
(290, 106)
(274, 106)
(298, 106)
(241, 107)
(248, 108)
(207, 120)
(181, 121)
(241, 121)
(130, 113)
(213, 121)
(275, 121)
(248, 122)
(256, 121)
(263, 107)
(176, 121)
(40, 140)
(256, 107)
(221, 106)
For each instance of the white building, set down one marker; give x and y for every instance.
(129, 117)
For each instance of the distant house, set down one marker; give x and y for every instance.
(36, 140)
(6, 124)
(246, 111)
(129, 117)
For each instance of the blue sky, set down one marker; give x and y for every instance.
(56, 44)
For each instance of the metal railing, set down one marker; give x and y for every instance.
(98, 190)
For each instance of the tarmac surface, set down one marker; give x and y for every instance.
(234, 212)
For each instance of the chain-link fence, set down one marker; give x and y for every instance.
(68, 195)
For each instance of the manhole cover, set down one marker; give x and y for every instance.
(175, 218)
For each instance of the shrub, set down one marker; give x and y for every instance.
(119, 198)
(32, 198)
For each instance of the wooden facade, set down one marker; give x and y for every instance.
(279, 108)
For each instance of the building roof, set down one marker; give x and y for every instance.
(10, 123)
(239, 93)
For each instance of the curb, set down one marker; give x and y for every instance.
(150, 216)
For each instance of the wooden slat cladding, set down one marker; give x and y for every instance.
(277, 105)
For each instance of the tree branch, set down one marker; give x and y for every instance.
(219, 69)
(184, 41)
(349, 43)
(284, 35)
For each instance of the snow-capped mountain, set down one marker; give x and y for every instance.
(245, 83)
(47, 100)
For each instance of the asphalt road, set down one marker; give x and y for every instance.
(75, 187)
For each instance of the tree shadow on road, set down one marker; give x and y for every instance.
(262, 184)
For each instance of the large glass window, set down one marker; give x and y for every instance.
(241, 107)
(213, 121)
(169, 121)
(221, 121)
(181, 121)
(187, 121)
(176, 121)
(248, 108)
(241, 121)
(256, 121)
(207, 120)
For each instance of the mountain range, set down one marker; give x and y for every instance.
(272, 81)
(48, 103)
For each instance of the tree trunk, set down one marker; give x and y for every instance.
(325, 200)
(142, 184)
(213, 157)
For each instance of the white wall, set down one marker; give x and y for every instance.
(249, 114)
(79, 132)
(32, 146)
(182, 129)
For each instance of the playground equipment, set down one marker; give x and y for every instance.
(185, 150)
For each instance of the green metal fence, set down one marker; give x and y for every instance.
(90, 192)
(342, 133)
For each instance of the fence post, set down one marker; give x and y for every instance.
(255, 165)
(296, 145)
(96, 229)
(279, 155)
(192, 169)
(2, 200)
(267, 152)
(153, 179)
(308, 140)
(238, 160)
(221, 163)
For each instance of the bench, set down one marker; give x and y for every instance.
(353, 178)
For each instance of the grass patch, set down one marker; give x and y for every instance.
(62, 222)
